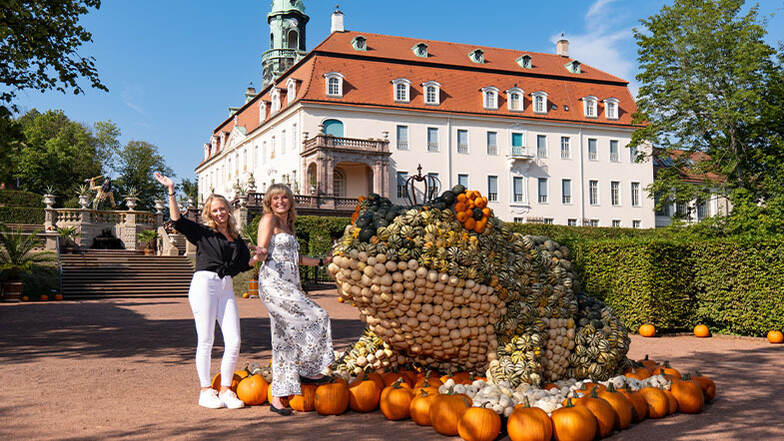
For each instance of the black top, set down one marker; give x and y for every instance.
(213, 251)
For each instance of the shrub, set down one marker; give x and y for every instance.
(43, 279)
(22, 215)
(19, 198)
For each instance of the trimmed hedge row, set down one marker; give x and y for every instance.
(19, 198)
(22, 215)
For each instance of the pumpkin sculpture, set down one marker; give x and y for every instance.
(364, 395)
(252, 390)
(707, 384)
(396, 401)
(446, 410)
(605, 415)
(658, 403)
(479, 424)
(419, 409)
(574, 423)
(529, 424)
(623, 407)
(306, 401)
(689, 395)
(332, 398)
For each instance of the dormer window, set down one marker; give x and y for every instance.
(334, 84)
(401, 88)
(490, 98)
(540, 102)
(275, 96)
(360, 43)
(514, 99)
(525, 62)
(590, 104)
(420, 50)
(262, 111)
(432, 93)
(291, 90)
(477, 56)
(611, 108)
(573, 67)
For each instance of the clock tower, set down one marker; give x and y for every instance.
(287, 21)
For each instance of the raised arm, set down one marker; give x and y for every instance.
(174, 210)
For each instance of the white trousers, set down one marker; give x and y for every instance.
(211, 299)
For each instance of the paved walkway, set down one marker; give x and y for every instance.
(123, 369)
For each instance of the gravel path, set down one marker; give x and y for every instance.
(123, 368)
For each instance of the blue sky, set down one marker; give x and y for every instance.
(173, 67)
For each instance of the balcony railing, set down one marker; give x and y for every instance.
(315, 202)
(519, 152)
(333, 142)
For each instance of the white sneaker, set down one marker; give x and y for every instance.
(209, 398)
(230, 400)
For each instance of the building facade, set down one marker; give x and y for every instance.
(542, 135)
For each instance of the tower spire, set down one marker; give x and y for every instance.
(287, 21)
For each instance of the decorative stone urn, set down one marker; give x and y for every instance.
(130, 203)
(49, 200)
(84, 201)
(158, 206)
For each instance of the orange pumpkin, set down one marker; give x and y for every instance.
(396, 401)
(604, 413)
(364, 395)
(658, 404)
(479, 424)
(648, 363)
(666, 369)
(647, 330)
(332, 398)
(672, 403)
(549, 386)
(701, 331)
(238, 376)
(574, 423)
(306, 401)
(446, 410)
(588, 387)
(426, 387)
(639, 403)
(391, 377)
(623, 407)
(252, 390)
(376, 377)
(689, 395)
(775, 337)
(707, 385)
(639, 373)
(529, 424)
(419, 409)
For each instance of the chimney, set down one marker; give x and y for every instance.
(250, 92)
(337, 21)
(562, 47)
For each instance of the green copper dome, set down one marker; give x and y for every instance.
(279, 6)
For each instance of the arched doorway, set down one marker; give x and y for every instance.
(333, 127)
(311, 183)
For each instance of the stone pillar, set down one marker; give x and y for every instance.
(158, 213)
(240, 213)
(378, 180)
(86, 227)
(329, 175)
(50, 221)
(129, 231)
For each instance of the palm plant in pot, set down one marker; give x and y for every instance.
(249, 234)
(18, 258)
(149, 240)
(67, 238)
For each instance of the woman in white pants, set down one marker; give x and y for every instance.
(220, 254)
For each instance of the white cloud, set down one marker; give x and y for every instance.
(597, 8)
(129, 95)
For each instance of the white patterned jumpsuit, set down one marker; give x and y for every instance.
(301, 334)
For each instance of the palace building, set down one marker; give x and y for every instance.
(543, 136)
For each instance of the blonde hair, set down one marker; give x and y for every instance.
(275, 190)
(207, 220)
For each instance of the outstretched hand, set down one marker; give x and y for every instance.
(164, 180)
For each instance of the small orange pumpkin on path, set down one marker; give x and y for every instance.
(647, 330)
(775, 337)
(702, 331)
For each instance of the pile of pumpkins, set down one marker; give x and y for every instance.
(448, 286)
(476, 409)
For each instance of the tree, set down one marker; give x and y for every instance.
(190, 188)
(11, 137)
(136, 163)
(106, 142)
(56, 151)
(39, 43)
(705, 74)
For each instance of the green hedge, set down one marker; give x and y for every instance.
(22, 215)
(43, 279)
(19, 198)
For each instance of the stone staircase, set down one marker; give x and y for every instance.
(121, 273)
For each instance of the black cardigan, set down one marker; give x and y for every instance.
(213, 251)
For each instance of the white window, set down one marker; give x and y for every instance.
(614, 155)
(263, 150)
(635, 194)
(462, 180)
(633, 154)
(291, 90)
(294, 135)
(432, 93)
(255, 157)
(517, 188)
(334, 84)
(524, 61)
(262, 111)
(245, 159)
(420, 50)
(359, 43)
(593, 192)
(571, 222)
(514, 99)
(540, 101)
(590, 104)
(432, 139)
(275, 95)
(593, 154)
(518, 220)
(636, 223)
(477, 56)
(548, 221)
(402, 191)
(615, 193)
(566, 152)
(566, 191)
(594, 222)
(462, 141)
(517, 144)
(433, 177)
(542, 190)
(492, 188)
(272, 148)
(616, 223)
(490, 98)
(541, 146)
(611, 108)
(401, 90)
(492, 143)
(402, 137)
(282, 142)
